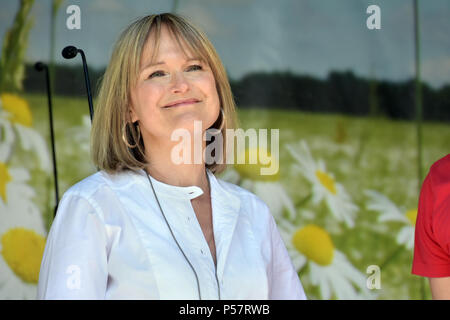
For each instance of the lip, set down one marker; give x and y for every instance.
(181, 102)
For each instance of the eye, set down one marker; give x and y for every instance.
(195, 67)
(154, 74)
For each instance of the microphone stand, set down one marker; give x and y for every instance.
(88, 85)
(39, 66)
(70, 52)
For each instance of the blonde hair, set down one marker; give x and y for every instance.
(108, 149)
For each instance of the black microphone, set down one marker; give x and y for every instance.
(70, 52)
(39, 66)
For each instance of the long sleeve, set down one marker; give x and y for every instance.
(74, 265)
(285, 283)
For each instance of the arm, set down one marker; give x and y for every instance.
(440, 288)
(431, 255)
(285, 283)
(74, 265)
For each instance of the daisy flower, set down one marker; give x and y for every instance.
(22, 238)
(21, 250)
(391, 212)
(6, 137)
(77, 146)
(332, 147)
(267, 187)
(80, 134)
(324, 185)
(329, 269)
(15, 195)
(16, 120)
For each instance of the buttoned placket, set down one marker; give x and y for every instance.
(199, 241)
(225, 221)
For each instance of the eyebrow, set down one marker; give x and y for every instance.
(162, 62)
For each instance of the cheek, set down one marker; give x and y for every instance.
(211, 89)
(148, 115)
(148, 97)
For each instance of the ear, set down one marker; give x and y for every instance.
(132, 114)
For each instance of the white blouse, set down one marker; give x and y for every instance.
(109, 240)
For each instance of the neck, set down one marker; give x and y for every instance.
(162, 168)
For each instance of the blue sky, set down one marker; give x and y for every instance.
(303, 36)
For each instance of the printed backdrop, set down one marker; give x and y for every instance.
(361, 116)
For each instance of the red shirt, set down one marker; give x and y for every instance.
(432, 235)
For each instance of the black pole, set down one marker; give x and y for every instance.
(88, 86)
(39, 66)
(71, 52)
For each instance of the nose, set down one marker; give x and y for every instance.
(179, 83)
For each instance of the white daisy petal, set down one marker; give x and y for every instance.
(323, 184)
(388, 210)
(342, 288)
(6, 140)
(31, 140)
(19, 174)
(275, 197)
(348, 270)
(406, 237)
(18, 212)
(299, 262)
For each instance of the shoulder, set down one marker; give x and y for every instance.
(250, 204)
(432, 236)
(440, 170)
(437, 182)
(100, 184)
(434, 202)
(242, 193)
(99, 196)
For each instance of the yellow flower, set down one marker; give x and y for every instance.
(251, 170)
(22, 251)
(18, 109)
(412, 216)
(328, 268)
(327, 181)
(315, 243)
(5, 177)
(323, 184)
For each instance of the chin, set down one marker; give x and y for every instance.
(194, 123)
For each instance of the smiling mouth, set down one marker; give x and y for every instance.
(181, 104)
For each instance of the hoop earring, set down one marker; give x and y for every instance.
(125, 139)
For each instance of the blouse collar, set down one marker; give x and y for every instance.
(165, 189)
(218, 190)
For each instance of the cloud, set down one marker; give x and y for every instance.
(201, 17)
(436, 71)
(105, 6)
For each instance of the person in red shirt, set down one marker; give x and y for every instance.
(432, 233)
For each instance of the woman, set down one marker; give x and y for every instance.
(145, 227)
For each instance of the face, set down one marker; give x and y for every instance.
(174, 77)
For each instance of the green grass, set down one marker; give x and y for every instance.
(384, 159)
(362, 153)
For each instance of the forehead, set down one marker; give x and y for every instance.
(166, 42)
